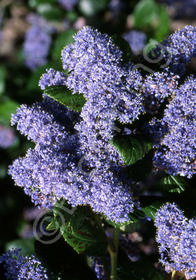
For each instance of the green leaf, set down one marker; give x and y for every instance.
(63, 39)
(80, 231)
(53, 225)
(27, 245)
(151, 210)
(50, 12)
(7, 107)
(35, 3)
(173, 184)
(38, 2)
(91, 7)
(2, 79)
(163, 28)
(145, 13)
(64, 96)
(131, 148)
(150, 16)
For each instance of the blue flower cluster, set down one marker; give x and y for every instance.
(36, 46)
(68, 4)
(52, 78)
(96, 70)
(156, 88)
(73, 156)
(7, 137)
(136, 40)
(179, 48)
(19, 267)
(45, 180)
(177, 150)
(55, 168)
(176, 238)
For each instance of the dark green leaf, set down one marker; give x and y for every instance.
(151, 210)
(72, 16)
(130, 148)
(145, 13)
(91, 7)
(2, 79)
(163, 28)
(53, 225)
(38, 2)
(173, 184)
(64, 96)
(150, 16)
(7, 107)
(50, 12)
(80, 231)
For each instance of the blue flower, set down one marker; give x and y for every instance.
(52, 78)
(176, 239)
(68, 4)
(36, 47)
(19, 267)
(56, 168)
(7, 137)
(177, 149)
(136, 40)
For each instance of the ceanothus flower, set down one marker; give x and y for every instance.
(111, 195)
(56, 167)
(95, 65)
(156, 88)
(40, 126)
(136, 40)
(19, 267)
(169, 222)
(178, 49)
(176, 237)
(36, 47)
(7, 137)
(187, 250)
(96, 70)
(52, 78)
(98, 267)
(156, 129)
(177, 149)
(68, 4)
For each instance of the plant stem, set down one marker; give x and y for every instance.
(173, 274)
(113, 250)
